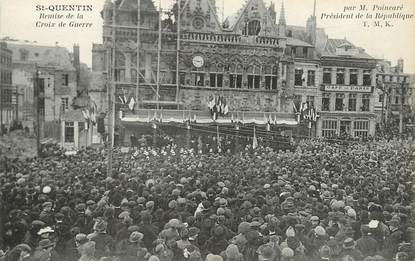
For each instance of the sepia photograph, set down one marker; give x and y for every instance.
(207, 130)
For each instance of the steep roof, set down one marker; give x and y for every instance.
(201, 8)
(300, 32)
(236, 19)
(55, 56)
(333, 44)
(297, 42)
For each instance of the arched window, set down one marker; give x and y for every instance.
(254, 77)
(216, 75)
(235, 76)
(271, 79)
(252, 27)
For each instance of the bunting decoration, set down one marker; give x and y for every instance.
(89, 112)
(218, 106)
(308, 112)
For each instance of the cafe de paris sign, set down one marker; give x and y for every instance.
(347, 88)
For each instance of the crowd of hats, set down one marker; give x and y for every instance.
(320, 202)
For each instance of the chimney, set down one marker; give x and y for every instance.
(400, 65)
(77, 64)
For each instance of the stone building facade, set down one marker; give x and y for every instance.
(57, 79)
(256, 63)
(347, 91)
(243, 61)
(7, 91)
(394, 92)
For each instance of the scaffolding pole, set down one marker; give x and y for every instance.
(178, 54)
(137, 89)
(158, 57)
(111, 103)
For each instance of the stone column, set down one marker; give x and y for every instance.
(333, 75)
(347, 76)
(62, 133)
(360, 77)
(76, 134)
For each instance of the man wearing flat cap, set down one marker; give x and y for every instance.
(47, 215)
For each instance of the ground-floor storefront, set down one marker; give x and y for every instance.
(346, 125)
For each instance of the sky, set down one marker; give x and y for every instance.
(18, 18)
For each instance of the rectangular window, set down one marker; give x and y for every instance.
(367, 79)
(298, 81)
(327, 75)
(212, 80)
(325, 102)
(119, 75)
(361, 128)
(310, 100)
(352, 102)
(69, 131)
(216, 80)
(397, 98)
(339, 102)
(268, 80)
(254, 81)
(65, 104)
(311, 78)
(381, 97)
(329, 128)
(340, 76)
(65, 78)
(305, 52)
(353, 77)
(235, 81)
(182, 77)
(365, 102)
(199, 79)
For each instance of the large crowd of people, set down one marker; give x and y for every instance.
(320, 201)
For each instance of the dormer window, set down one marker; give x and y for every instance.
(252, 27)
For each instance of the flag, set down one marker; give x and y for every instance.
(131, 104)
(219, 105)
(295, 107)
(304, 107)
(85, 114)
(211, 103)
(254, 141)
(121, 99)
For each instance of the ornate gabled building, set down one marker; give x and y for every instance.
(262, 69)
(243, 61)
